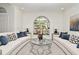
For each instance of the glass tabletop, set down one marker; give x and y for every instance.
(44, 41)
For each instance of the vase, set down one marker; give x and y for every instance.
(40, 36)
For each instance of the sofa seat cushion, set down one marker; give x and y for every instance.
(7, 49)
(68, 45)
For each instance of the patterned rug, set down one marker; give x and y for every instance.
(26, 50)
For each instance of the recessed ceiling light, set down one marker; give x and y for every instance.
(22, 8)
(62, 8)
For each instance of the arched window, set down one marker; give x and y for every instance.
(41, 23)
(2, 10)
(3, 20)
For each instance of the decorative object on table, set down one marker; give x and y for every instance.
(40, 35)
(27, 30)
(56, 31)
(42, 22)
(74, 23)
(42, 47)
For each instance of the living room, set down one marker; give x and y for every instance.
(20, 17)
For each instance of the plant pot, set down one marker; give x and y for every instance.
(40, 36)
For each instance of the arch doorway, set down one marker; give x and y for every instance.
(41, 23)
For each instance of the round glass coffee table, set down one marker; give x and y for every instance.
(41, 47)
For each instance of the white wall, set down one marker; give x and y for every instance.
(8, 18)
(3, 22)
(11, 21)
(18, 19)
(55, 18)
(70, 12)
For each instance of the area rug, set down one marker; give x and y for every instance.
(26, 50)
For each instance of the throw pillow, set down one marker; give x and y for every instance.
(65, 36)
(25, 33)
(3, 40)
(22, 34)
(62, 33)
(77, 45)
(12, 37)
(74, 39)
(19, 35)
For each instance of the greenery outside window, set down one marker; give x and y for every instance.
(41, 23)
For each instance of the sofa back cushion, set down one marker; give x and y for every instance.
(74, 39)
(12, 37)
(62, 33)
(3, 40)
(65, 36)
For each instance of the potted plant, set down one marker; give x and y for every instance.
(40, 33)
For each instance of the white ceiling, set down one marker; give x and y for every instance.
(42, 7)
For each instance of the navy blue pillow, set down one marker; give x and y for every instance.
(77, 45)
(65, 36)
(25, 33)
(62, 33)
(21, 34)
(3, 40)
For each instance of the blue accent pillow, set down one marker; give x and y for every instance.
(3, 40)
(21, 34)
(65, 36)
(62, 33)
(77, 45)
(24, 33)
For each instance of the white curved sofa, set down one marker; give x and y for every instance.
(13, 47)
(66, 46)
